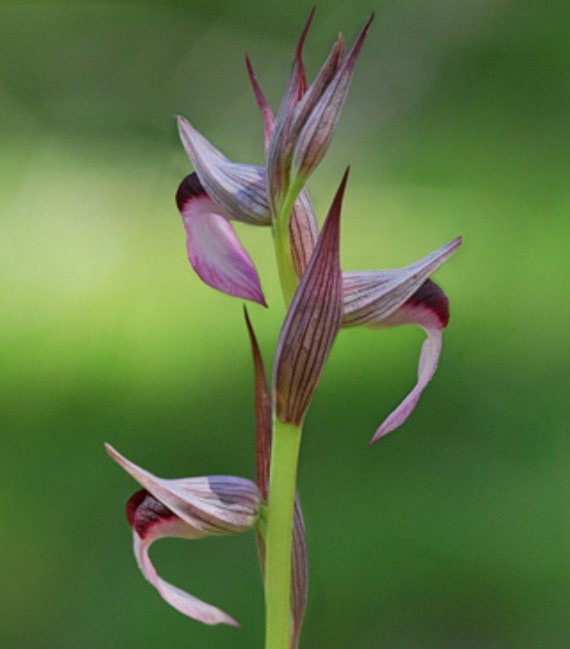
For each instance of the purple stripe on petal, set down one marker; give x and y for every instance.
(429, 309)
(318, 127)
(279, 147)
(304, 232)
(214, 250)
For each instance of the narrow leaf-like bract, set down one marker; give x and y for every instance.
(311, 324)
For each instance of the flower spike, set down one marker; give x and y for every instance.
(190, 508)
(311, 324)
(214, 251)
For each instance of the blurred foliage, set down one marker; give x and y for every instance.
(451, 533)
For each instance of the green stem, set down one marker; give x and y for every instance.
(279, 530)
(282, 240)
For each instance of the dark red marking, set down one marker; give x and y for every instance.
(430, 296)
(144, 511)
(189, 188)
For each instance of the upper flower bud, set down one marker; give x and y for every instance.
(307, 117)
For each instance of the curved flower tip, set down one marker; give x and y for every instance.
(214, 250)
(189, 508)
(429, 308)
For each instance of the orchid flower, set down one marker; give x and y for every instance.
(191, 508)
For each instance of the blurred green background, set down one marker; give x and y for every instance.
(452, 533)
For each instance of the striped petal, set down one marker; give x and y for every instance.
(279, 147)
(387, 298)
(214, 250)
(371, 297)
(238, 188)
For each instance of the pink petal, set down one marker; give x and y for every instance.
(428, 308)
(150, 521)
(213, 247)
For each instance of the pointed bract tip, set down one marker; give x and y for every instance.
(337, 201)
(304, 32)
(352, 55)
(259, 96)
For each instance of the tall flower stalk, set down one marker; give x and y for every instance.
(320, 299)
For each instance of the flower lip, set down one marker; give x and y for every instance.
(213, 248)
